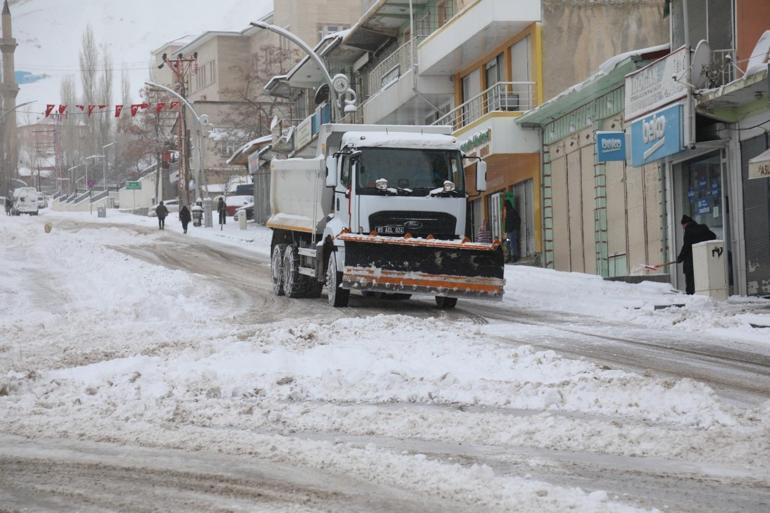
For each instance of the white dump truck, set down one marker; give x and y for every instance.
(380, 209)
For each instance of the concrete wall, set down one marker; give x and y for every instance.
(303, 17)
(752, 19)
(579, 35)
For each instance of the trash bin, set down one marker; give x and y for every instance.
(197, 215)
(101, 211)
(710, 269)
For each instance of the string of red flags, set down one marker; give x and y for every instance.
(134, 108)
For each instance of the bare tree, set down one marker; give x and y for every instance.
(256, 109)
(104, 97)
(89, 62)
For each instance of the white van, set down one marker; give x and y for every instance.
(25, 201)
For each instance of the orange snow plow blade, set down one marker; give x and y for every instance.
(423, 266)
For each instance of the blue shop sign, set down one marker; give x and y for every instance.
(656, 136)
(610, 146)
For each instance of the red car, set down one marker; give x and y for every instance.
(241, 196)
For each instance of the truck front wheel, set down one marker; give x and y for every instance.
(276, 268)
(338, 296)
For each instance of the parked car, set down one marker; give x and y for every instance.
(241, 196)
(172, 206)
(25, 201)
(247, 210)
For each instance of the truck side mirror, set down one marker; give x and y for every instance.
(481, 176)
(331, 172)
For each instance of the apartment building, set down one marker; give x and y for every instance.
(227, 80)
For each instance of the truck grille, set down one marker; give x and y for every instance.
(420, 224)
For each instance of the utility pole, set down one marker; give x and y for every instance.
(182, 67)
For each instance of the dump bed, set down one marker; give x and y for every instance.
(299, 198)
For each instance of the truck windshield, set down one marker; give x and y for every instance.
(409, 171)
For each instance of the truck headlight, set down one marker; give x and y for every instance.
(381, 184)
(449, 186)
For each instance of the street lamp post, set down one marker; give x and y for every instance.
(72, 176)
(88, 185)
(104, 162)
(202, 120)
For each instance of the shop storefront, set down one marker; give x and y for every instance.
(509, 176)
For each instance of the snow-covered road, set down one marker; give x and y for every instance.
(162, 367)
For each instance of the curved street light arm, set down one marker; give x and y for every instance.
(299, 42)
(179, 96)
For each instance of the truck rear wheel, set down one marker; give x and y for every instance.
(446, 303)
(276, 268)
(338, 297)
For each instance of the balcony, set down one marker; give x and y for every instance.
(473, 33)
(513, 97)
(392, 96)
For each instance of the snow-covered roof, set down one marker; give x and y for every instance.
(399, 140)
(605, 69)
(249, 147)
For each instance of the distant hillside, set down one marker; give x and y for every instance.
(49, 33)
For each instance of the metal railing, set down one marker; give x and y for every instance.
(390, 69)
(501, 97)
(722, 68)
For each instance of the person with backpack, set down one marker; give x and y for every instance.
(693, 234)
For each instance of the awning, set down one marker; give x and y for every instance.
(241, 155)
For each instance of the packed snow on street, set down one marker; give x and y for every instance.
(146, 370)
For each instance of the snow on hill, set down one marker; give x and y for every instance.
(49, 34)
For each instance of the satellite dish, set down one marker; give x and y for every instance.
(700, 65)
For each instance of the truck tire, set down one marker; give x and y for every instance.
(446, 303)
(276, 269)
(292, 279)
(338, 297)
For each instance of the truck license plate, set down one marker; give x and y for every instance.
(390, 229)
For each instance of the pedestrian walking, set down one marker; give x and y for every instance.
(693, 234)
(512, 227)
(184, 217)
(161, 211)
(8, 204)
(222, 210)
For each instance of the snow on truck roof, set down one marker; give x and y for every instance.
(399, 140)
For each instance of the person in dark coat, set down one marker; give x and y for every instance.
(185, 217)
(512, 228)
(693, 234)
(222, 210)
(161, 211)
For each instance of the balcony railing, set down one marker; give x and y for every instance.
(501, 97)
(390, 69)
(722, 68)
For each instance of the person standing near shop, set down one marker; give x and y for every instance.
(512, 228)
(222, 210)
(693, 234)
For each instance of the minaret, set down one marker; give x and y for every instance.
(9, 90)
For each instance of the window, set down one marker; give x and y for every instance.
(206, 75)
(409, 171)
(345, 174)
